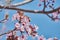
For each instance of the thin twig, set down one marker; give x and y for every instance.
(7, 32)
(21, 3)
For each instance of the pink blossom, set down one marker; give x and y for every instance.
(55, 14)
(41, 37)
(9, 34)
(26, 18)
(34, 34)
(36, 27)
(28, 30)
(55, 38)
(16, 16)
(14, 32)
(25, 21)
(22, 28)
(17, 25)
(23, 37)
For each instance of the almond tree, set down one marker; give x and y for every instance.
(23, 24)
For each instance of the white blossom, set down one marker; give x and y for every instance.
(50, 39)
(36, 27)
(16, 16)
(17, 25)
(41, 37)
(28, 30)
(22, 28)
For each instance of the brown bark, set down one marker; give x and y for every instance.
(31, 11)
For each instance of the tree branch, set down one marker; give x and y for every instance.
(4, 20)
(21, 3)
(31, 11)
(44, 5)
(7, 32)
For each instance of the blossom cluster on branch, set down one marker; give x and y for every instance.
(25, 28)
(23, 25)
(23, 22)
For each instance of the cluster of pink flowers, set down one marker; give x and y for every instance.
(23, 25)
(25, 37)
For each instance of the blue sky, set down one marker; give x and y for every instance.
(47, 27)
